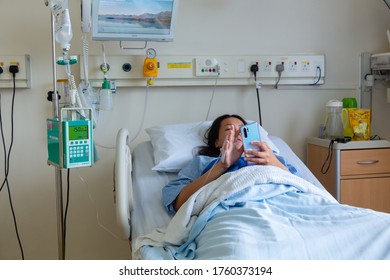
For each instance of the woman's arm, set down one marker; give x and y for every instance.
(220, 167)
(215, 172)
(263, 156)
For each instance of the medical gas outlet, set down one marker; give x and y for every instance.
(207, 67)
(150, 66)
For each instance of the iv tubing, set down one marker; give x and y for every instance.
(212, 97)
(140, 126)
(143, 115)
(85, 59)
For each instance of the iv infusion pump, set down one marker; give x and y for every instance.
(70, 141)
(76, 143)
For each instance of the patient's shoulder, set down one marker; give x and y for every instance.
(198, 163)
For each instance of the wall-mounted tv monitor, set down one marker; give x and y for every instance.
(134, 20)
(387, 3)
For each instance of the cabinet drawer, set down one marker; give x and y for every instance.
(368, 161)
(371, 193)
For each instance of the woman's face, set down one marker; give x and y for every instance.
(228, 125)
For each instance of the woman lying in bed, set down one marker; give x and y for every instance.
(207, 166)
(258, 212)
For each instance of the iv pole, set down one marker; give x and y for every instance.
(58, 171)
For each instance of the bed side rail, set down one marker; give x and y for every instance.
(123, 183)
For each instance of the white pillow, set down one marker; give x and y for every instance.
(176, 144)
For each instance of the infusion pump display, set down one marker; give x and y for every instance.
(77, 141)
(78, 132)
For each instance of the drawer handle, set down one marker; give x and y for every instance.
(367, 161)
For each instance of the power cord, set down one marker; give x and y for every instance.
(66, 209)
(14, 69)
(319, 70)
(328, 159)
(254, 69)
(279, 69)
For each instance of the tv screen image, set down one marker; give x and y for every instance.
(141, 20)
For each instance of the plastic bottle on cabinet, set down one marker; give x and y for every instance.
(63, 26)
(105, 96)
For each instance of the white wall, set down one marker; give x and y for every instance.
(339, 29)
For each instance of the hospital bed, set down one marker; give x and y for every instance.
(273, 216)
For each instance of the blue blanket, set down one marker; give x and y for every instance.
(249, 215)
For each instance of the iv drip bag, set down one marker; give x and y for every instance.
(63, 27)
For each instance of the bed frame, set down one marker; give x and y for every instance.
(123, 184)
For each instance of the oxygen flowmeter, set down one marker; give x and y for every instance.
(70, 141)
(150, 66)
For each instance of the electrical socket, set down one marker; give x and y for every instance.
(279, 67)
(23, 75)
(293, 66)
(305, 66)
(14, 68)
(267, 66)
(318, 64)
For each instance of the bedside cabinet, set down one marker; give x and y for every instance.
(358, 174)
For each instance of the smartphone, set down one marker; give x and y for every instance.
(250, 132)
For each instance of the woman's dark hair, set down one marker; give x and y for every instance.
(212, 135)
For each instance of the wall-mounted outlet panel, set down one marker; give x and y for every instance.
(22, 78)
(206, 67)
(188, 70)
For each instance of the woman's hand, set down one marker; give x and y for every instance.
(263, 156)
(231, 153)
